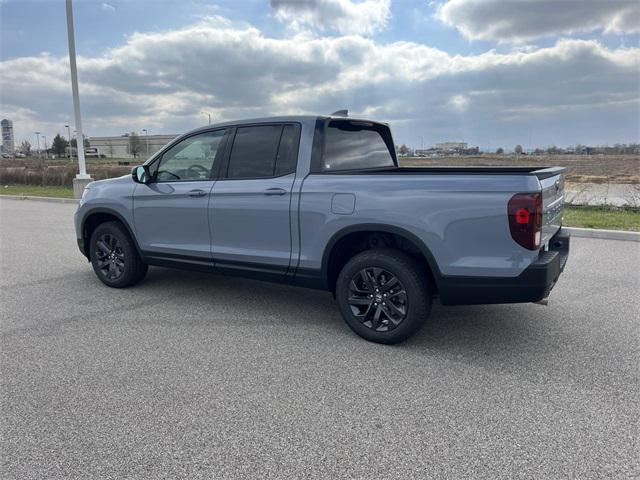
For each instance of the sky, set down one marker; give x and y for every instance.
(492, 73)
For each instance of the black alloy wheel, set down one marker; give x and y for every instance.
(378, 299)
(111, 259)
(114, 256)
(384, 294)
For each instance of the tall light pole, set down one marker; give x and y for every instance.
(46, 152)
(69, 134)
(208, 115)
(38, 139)
(146, 138)
(82, 179)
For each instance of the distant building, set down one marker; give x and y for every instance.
(8, 144)
(119, 146)
(447, 149)
(451, 146)
(425, 152)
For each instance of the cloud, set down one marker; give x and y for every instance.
(459, 102)
(107, 7)
(345, 16)
(574, 90)
(522, 20)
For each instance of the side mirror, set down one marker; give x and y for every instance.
(141, 174)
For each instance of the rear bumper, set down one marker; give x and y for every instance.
(532, 285)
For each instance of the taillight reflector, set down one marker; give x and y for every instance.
(525, 219)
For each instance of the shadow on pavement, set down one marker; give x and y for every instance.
(490, 330)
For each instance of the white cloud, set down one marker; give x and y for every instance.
(163, 80)
(522, 20)
(107, 7)
(345, 16)
(459, 102)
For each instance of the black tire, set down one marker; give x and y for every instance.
(409, 310)
(114, 256)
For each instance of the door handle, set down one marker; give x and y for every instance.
(275, 191)
(197, 193)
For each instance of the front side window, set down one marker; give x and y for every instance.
(191, 159)
(353, 145)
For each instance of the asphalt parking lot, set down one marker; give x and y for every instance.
(192, 375)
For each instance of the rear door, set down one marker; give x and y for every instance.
(250, 203)
(170, 213)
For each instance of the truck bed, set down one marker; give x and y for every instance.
(540, 173)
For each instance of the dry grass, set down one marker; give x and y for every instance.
(40, 174)
(580, 168)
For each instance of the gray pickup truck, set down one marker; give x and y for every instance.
(321, 202)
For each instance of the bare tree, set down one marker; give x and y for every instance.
(134, 144)
(518, 150)
(500, 151)
(25, 147)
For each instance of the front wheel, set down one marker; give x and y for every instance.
(114, 256)
(383, 295)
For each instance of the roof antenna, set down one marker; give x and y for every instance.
(340, 113)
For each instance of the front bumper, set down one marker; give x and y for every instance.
(532, 285)
(79, 237)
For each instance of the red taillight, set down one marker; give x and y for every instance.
(522, 216)
(525, 219)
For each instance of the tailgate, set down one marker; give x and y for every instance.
(552, 182)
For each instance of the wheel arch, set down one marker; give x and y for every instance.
(97, 216)
(357, 232)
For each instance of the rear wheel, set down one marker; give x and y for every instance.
(383, 295)
(114, 257)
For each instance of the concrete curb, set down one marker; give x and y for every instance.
(41, 199)
(603, 234)
(576, 232)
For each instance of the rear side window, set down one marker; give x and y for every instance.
(350, 144)
(287, 152)
(263, 151)
(253, 154)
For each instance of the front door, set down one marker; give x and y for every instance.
(250, 203)
(170, 213)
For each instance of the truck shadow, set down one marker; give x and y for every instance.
(490, 330)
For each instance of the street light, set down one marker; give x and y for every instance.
(69, 133)
(208, 115)
(146, 138)
(38, 137)
(82, 179)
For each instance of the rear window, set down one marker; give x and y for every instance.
(353, 145)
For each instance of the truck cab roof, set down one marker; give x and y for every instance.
(302, 119)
